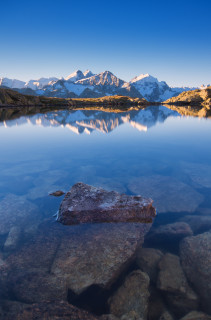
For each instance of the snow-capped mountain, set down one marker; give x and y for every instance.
(89, 85)
(39, 84)
(154, 90)
(11, 83)
(102, 84)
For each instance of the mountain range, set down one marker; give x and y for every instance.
(88, 85)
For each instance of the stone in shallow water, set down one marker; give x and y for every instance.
(199, 173)
(13, 239)
(168, 193)
(198, 223)
(195, 254)
(172, 281)
(57, 193)
(170, 232)
(71, 258)
(147, 260)
(84, 203)
(15, 211)
(97, 254)
(131, 296)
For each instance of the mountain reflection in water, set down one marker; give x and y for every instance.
(82, 121)
(44, 262)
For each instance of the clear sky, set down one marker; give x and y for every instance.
(168, 39)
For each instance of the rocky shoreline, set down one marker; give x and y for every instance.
(102, 271)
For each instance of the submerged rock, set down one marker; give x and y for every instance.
(147, 260)
(59, 310)
(198, 223)
(156, 304)
(170, 232)
(196, 315)
(195, 254)
(173, 283)
(169, 194)
(84, 204)
(132, 296)
(59, 258)
(13, 239)
(15, 211)
(97, 254)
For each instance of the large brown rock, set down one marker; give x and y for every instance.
(195, 254)
(97, 254)
(84, 203)
(60, 258)
(173, 283)
(133, 295)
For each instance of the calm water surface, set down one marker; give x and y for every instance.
(154, 152)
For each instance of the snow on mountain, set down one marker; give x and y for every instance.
(11, 83)
(40, 83)
(144, 78)
(89, 85)
(154, 90)
(88, 74)
(103, 78)
(75, 76)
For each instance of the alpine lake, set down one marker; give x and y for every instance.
(105, 268)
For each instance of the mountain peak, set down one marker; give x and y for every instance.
(144, 78)
(75, 76)
(88, 74)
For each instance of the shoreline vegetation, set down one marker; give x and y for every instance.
(195, 103)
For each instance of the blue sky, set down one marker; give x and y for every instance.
(168, 39)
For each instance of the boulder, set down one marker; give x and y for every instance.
(195, 254)
(169, 234)
(147, 259)
(60, 258)
(31, 286)
(198, 223)
(156, 304)
(97, 254)
(173, 283)
(196, 315)
(85, 204)
(132, 296)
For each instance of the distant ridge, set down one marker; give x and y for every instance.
(86, 84)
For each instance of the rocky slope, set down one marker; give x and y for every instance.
(195, 103)
(10, 97)
(89, 85)
(193, 97)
